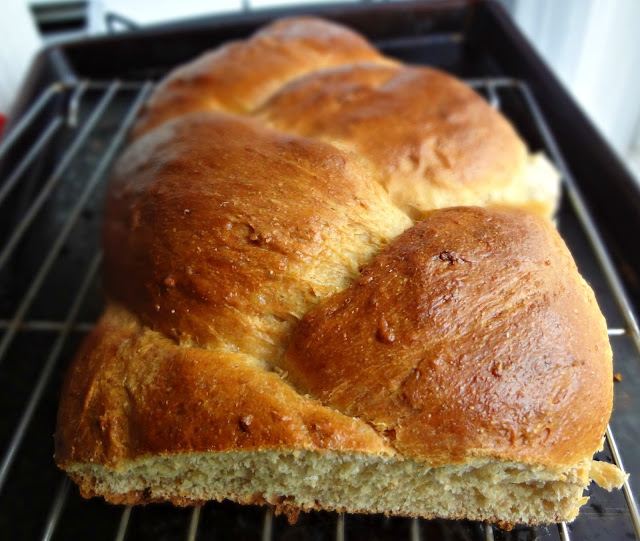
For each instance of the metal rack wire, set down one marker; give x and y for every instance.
(80, 111)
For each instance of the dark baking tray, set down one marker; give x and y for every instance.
(470, 39)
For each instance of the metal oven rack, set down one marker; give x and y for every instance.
(49, 297)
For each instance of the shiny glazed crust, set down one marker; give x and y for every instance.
(270, 292)
(222, 232)
(471, 335)
(239, 76)
(176, 399)
(443, 145)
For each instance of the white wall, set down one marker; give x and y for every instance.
(594, 46)
(144, 12)
(19, 41)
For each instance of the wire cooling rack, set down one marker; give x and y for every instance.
(53, 165)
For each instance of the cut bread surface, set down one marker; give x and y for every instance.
(485, 489)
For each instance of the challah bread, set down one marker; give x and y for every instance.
(279, 329)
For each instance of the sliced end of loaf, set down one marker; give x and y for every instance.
(484, 489)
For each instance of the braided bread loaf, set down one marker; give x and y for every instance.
(290, 320)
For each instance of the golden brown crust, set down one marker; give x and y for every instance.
(222, 232)
(472, 334)
(241, 75)
(132, 393)
(430, 140)
(420, 131)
